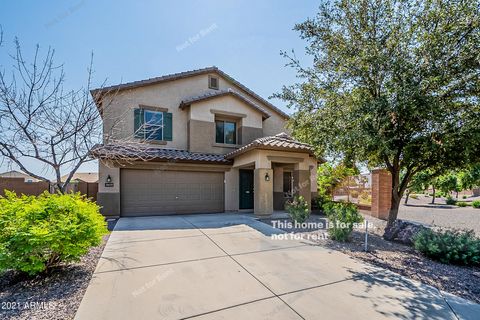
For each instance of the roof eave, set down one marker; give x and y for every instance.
(238, 152)
(186, 74)
(227, 162)
(188, 103)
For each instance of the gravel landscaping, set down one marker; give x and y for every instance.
(404, 260)
(54, 296)
(440, 214)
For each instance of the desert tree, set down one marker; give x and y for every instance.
(45, 128)
(420, 182)
(392, 83)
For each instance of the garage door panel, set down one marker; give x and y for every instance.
(152, 192)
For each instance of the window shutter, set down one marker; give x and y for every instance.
(167, 126)
(138, 123)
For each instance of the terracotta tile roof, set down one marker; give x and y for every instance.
(281, 141)
(186, 74)
(138, 151)
(211, 95)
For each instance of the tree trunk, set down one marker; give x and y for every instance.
(395, 198)
(433, 194)
(390, 233)
(407, 196)
(394, 206)
(59, 188)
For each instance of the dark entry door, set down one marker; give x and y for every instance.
(246, 189)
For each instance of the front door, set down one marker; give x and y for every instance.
(246, 189)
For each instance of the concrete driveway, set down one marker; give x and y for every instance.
(228, 267)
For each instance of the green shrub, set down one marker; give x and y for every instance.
(342, 217)
(450, 201)
(452, 247)
(298, 209)
(476, 204)
(38, 233)
(464, 197)
(462, 204)
(319, 201)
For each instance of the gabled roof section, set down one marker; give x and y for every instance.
(221, 93)
(175, 76)
(281, 141)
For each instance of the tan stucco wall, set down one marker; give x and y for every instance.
(202, 110)
(118, 110)
(260, 159)
(232, 190)
(313, 178)
(263, 197)
(274, 125)
(108, 198)
(201, 123)
(277, 179)
(104, 170)
(118, 118)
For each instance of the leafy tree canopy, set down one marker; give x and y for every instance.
(330, 177)
(393, 83)
(448, 183)
(470, 177)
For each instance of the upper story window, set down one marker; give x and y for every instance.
(213, 82)
(225, 132)
(152, 125)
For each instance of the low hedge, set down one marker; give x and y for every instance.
(341, 219)
(452, 247)
(298, 209)
(38, 233)
(450, 201)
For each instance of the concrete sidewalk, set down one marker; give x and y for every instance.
(228, 267)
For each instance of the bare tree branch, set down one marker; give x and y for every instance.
(41, 120)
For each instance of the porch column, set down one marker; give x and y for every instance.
(263, 194)
(302, 182)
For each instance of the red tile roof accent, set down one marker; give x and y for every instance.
(139, 151)
(281, 141)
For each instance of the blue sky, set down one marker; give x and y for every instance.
(135, 40)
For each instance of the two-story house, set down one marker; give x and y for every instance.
(196, 142)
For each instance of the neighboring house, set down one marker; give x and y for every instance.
(18, 174)
(196, 142)
(90, 177)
